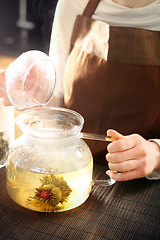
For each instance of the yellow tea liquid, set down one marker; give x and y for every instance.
(49, 192)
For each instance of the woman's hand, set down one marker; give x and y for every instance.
(3, 93)
(131, 156)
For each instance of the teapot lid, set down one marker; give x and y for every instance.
(30, 80)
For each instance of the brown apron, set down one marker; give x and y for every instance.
(112, 78)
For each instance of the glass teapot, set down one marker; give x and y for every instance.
(49, 167)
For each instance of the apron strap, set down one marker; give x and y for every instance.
(90, 8)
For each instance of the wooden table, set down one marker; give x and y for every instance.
(127, 210)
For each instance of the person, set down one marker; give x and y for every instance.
(107, 57)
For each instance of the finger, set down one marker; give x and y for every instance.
(126, 166)
(124, 143)
(2, 80)
(125, 176)
(117, 157)
(6, 102)
(3, 93)
(114, 134)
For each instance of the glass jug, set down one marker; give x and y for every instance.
(49, 167)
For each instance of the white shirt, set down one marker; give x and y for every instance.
(147, 17)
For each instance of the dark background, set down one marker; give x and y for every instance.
(15, 39)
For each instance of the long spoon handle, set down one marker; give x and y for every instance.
(97, 137)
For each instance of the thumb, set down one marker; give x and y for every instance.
(114, 134)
